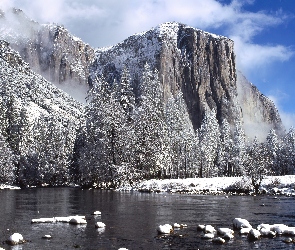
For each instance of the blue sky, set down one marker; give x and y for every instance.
(263, 31)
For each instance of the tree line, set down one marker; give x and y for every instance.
(125, 138)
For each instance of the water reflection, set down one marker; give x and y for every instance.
(132, 218)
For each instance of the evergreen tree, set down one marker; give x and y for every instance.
(152, 145)
(224, 151)
(209, 136)
(287, 153)
(239, 152)
(7, 164)
(182, 139)
(256, 166)
(273, 147)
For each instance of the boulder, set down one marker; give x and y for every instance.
(15, 239)
(165, 229)
(239, 223)
(254, 234)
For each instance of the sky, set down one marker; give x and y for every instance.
(263, 32)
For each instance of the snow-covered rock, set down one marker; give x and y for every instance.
(209, 229)
(165, 229)
(267, 233)
(279, 229)
(289, 231)
(208, 236)
(254, 234)
(67, 219)
(245, 230)
(224, 230)
(176, 225)
(96, 213)
(77, 220)
(218, 240)
(47, 237)
(15, 239)
(100, 224)
(201, 227)
(239, 223)
(228, 236)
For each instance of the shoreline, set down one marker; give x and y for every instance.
(271, 185)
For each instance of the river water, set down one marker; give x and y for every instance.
(131, 219)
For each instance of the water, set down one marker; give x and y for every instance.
(132, 218)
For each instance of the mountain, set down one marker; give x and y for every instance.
(165, 103)
(50, 50)
(199, 64)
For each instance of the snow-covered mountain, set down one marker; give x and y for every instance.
(199, 64)
(167, 102)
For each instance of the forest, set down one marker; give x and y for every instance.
(119, 139)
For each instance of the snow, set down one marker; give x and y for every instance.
(165, 229)
(96, 213)
(223, 231)
(240, 223)
(254, 234)
(77, 220)
(209, 229)
(208, 236)
(47, 236)
(15, 239)
(66, 219)
(218, 240)
(100, 225)
(215, 185)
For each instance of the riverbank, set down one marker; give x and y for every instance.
(275, 185)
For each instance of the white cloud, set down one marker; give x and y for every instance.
(251, 56)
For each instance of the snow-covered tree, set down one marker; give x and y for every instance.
(224, 151)
(7, 164)
(182, 139)
(256, 166)
(287, 153)
(239, 155)
(209, 139)
(273, 147)
(152, 145)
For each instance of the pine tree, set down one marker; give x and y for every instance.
(7, 164)
(273, 147)
(239, 152)
(209, 136)
(287, 153)
(152, 146)
(256, 166)
(224, 151)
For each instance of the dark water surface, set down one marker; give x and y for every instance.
(132, 218)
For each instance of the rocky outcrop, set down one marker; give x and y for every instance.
(50, 50)
(259, 112)
(199, 64)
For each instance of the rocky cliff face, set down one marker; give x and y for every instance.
(199, 64)
(50, 50)
(259, 112)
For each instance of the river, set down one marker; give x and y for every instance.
(131, 219)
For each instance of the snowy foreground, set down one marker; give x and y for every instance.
(284, 185)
